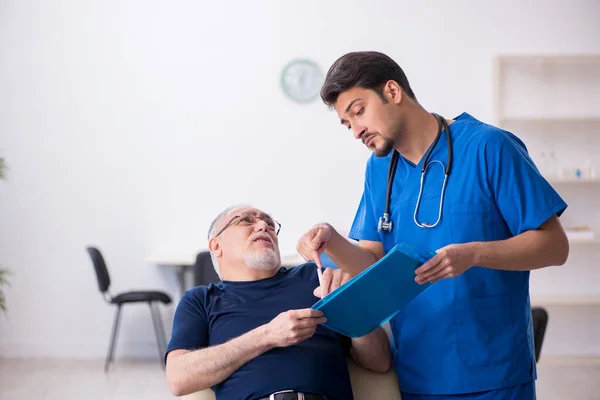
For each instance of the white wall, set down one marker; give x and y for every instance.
(129, 125)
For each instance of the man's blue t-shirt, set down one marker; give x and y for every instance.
(209, 316)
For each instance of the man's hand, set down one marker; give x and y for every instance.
(313, 243)
(332, 279)
(450, 261)
(292, 327)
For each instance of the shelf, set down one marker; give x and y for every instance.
(551, 120)
(565, 300)
(544, 90)
(581, 234)
(551, 58)
(594, 241)
(572, 180)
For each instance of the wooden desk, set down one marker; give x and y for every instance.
(182, 260)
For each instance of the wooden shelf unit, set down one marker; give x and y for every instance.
(565, 300)
(552, 102)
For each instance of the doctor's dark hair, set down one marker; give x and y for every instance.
(364, 69)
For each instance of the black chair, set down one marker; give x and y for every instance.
(150, 297)
(540, 322)
(204, 273)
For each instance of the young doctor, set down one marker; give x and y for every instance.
(467, 190)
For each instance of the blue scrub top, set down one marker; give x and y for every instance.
(473, 332)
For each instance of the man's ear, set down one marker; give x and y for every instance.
(215, 247)
(392, 92)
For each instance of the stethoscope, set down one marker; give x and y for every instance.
(385, 223)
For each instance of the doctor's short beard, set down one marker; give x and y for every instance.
(385, 149)
(263, 259)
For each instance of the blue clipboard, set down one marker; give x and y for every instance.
(374, 296)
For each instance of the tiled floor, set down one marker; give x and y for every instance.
(81, 380)
(559, 379)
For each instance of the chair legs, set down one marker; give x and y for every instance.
(161, 340)
(113, 338)
(159, 330)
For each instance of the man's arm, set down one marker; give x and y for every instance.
(372, 351)
(534, 249)
(543, 247)
(192, 371)
(347, 256)
(529, 206)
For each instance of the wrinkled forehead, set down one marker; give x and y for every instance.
(245, 211)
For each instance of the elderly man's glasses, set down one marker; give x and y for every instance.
(251, 219)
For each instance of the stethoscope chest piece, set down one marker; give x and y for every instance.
(384, 223)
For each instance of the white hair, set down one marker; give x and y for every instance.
(212, 231)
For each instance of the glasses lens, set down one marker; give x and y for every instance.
(251, 219)
(277, 227)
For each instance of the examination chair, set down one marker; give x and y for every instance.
(203, 271)
(366, 385)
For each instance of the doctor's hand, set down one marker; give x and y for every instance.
(313, 243)
(449, 262)
(332, 279)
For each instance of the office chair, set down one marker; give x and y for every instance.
(204, 273)
(150, 297)
(540, 322)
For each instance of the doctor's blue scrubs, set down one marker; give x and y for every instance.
(472, 333)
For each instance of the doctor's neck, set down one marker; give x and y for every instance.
(417, 131)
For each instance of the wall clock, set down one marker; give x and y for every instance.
(301, 80)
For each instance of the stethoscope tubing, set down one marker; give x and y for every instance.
(385, 223)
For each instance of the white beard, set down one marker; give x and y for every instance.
(263, 259)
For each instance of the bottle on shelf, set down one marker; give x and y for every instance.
(543, 164)
(589, 172)
(552, 165)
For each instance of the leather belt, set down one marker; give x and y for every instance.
(292, 395)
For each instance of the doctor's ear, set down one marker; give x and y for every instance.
(392, 92)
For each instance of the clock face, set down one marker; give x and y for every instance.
(301, 80)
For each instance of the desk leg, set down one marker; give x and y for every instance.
(180, 271)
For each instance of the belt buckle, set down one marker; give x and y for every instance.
(300, 395)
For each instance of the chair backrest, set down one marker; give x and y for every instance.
(204, 271)
(540, 322)
(100, 268)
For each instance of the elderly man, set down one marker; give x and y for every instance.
(254, 334)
